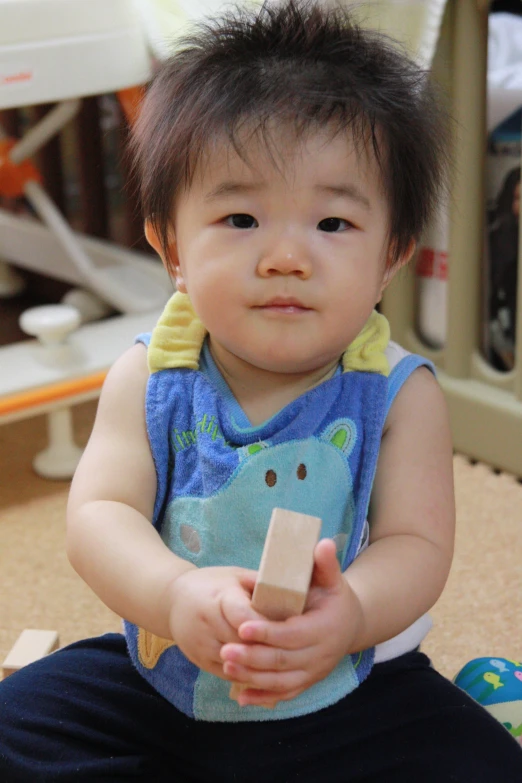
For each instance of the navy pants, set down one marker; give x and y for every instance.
(85, 714)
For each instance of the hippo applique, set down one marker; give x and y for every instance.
(311, 476)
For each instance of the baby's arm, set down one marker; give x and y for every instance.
(114, 547)
(412, 517)
(392, 583)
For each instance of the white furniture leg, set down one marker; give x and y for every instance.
(60, 458)
(52, 324)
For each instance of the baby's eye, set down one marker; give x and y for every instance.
(241, 221)
(334, 224)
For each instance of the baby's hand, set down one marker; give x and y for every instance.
(207, 605)
(279, 660)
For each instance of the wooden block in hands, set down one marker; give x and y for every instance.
(286, 567)
(29, 647)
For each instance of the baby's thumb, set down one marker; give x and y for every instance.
(236, 603)
(327, 572)
(247, 580)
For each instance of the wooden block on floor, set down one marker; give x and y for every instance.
(29, 647)
(286, 564)
(286, 567)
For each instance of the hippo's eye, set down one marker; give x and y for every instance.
(271, 478)
(301, 472)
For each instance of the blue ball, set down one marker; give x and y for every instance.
(496, 684)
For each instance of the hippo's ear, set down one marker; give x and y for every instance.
(342, 434)
(245, 452)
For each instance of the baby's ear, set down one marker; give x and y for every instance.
(152, 238)
(171, 260)
(393, 266)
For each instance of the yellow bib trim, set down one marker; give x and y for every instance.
(178, 338)
(367, 353)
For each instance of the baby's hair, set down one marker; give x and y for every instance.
(301, 66)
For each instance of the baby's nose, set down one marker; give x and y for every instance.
(287, 258)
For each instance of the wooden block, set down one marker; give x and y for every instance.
(286, 568)
(29, 647)
(286, 565)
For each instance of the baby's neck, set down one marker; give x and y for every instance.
(262, 393)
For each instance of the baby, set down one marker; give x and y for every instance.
(288, 163)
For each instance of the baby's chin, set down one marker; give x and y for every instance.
(281, 364)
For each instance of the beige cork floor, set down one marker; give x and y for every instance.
(479, 613)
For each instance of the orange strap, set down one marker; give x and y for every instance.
(53, 393)
(13, 176)
(130, 100)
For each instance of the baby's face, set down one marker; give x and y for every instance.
(283, 261)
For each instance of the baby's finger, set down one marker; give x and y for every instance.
(247, 579)
(208, 658)
(296, 633)
(276, 682)
(236, 607)
(263, 658)
(213, 668)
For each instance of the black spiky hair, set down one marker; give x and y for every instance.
(297, 64)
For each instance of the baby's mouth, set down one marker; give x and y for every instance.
(285, 304)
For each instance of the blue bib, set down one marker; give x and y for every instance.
(218, 480)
